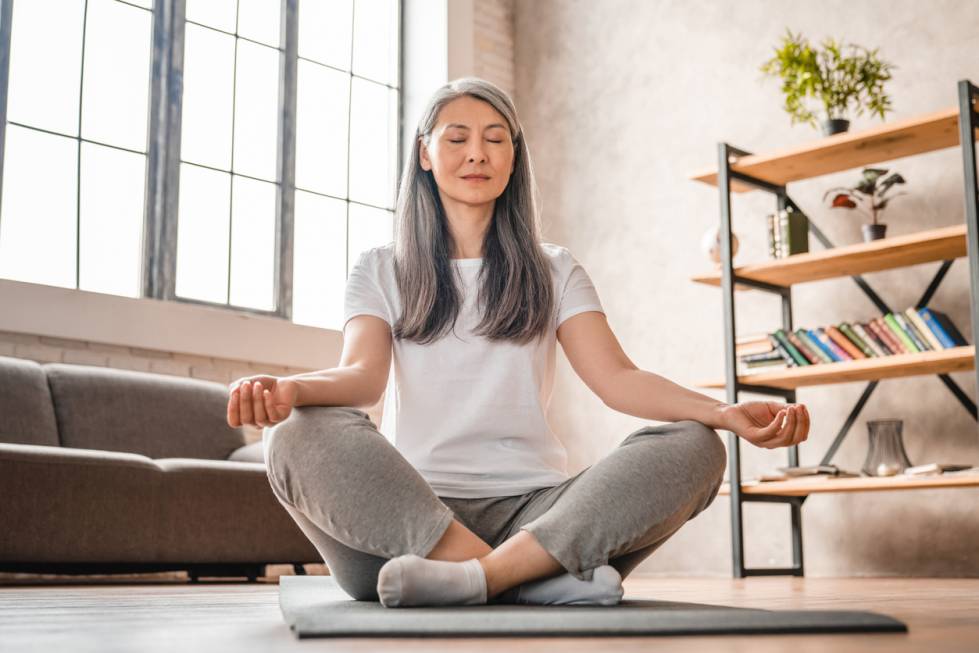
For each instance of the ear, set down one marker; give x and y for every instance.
(423, 159)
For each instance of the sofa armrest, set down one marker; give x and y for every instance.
(36, 453)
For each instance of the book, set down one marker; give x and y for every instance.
(803, 348)
(915, 319)
(870, 339)
(789, 347)
(815, 346)
(793, 229)
(884, 333)
(837, 336)
(946, 325)
(850, 333)
(909, 346)
(931, 469)
(912, 330)
(838, 353)
(783, 352)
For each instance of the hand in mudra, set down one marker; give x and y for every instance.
(768, 424)
(261, 400)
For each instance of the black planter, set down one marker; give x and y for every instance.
(873, 231)
(835, 126)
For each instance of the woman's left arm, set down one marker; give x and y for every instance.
(596, 356)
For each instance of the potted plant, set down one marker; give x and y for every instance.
(871, 192)
(839, 80)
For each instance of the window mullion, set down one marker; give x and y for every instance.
(163, 151)
(286, 165)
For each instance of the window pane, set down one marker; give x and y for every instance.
(111, 241)
(208, 79)
(373, 143)
(253, 244)
(214, 13)
(202, 234)
(369, 227)
(376, 40)
(117, 65)
(319, 261)
(259, 20)
(256, 106)
(44, 88)
(38, 216)
(322, 101)
(325, 30)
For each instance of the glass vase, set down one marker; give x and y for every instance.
(885, 454)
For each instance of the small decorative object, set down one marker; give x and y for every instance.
(871, 195)
(886, 455)
(838, 80)
(788, 233)
(711, 244)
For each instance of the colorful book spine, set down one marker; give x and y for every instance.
(911, 331)
(884, 333)
(929, 318)
(813, 345)
(905, 339)
(915, 319)
(783, 352)
(838, 352)
(826, 350)
(789, 347)
(847, 329)
(875, 338)
(915, 332)
(946, 322)
(803, 348)
(840, 339)
(870, 339)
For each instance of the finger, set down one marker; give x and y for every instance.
(770, 432)
(786, 432)
(269, 408)
(245, 404)
(233, 418)
(261, 419)
(802, 430)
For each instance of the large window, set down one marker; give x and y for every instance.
(236, 153)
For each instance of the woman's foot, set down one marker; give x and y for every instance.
(605, 588)
(409, 580)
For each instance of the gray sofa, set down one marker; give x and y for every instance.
(116, 471)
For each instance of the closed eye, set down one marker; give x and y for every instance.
(463, 141)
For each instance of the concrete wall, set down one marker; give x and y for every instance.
(621, 100)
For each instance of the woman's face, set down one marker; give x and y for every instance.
(470, 138)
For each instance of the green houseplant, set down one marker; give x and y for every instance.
(840, 76)
(871, 192)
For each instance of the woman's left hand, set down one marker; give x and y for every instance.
(767, 424)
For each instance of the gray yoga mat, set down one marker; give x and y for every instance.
(315, 606)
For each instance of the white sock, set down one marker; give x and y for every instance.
(605, 588)
(412, 580)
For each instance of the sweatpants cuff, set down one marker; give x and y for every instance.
(559, 545)
(426, 545)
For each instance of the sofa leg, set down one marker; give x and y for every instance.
(299, 569)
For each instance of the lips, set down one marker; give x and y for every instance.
(475, 177)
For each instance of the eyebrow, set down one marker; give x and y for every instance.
(496, 124)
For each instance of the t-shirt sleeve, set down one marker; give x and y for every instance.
(579, 294)
(362, 294)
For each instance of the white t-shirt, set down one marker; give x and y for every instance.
(467, 413)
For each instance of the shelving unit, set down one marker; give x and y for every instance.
(740, 171)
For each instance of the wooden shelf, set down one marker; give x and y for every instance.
(955, 359)
(803, 486)
(892, 140)
(884, 254)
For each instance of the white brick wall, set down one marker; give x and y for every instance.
(493, 42)
(44, 349)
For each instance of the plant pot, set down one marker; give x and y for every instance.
(873, 231)
(835, 126)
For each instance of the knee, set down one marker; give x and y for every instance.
(709, 450)
(308, 437)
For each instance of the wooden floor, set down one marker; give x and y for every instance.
(170, 614)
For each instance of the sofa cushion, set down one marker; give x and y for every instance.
(26, 413)
(156, 415)
(250, 453)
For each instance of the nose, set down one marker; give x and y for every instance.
(476, 152)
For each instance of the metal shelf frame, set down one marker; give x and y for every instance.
(968, 95)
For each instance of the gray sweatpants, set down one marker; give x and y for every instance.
(360, 502)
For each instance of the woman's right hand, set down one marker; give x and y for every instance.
(261, 400)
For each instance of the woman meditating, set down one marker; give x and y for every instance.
(463, 496)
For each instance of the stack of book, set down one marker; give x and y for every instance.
(910, 331)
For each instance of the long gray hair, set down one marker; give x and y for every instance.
(515, 293)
